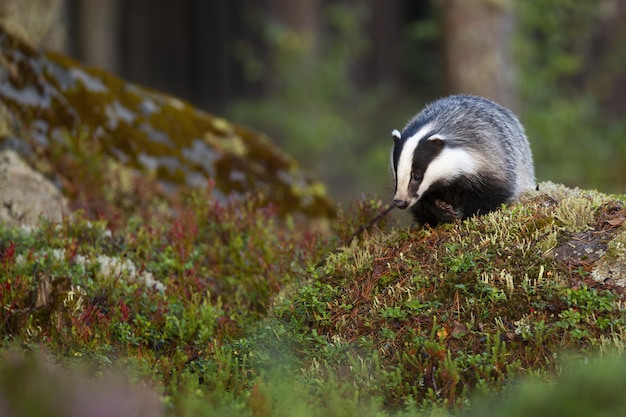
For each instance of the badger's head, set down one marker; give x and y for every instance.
(426, 158)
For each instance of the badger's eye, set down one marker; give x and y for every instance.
(418, 177)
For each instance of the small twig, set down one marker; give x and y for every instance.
(369, 224)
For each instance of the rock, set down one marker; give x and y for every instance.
(597, 244)
(58, 100)
(26, 195)
(611, 268)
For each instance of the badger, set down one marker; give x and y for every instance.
(460, 156)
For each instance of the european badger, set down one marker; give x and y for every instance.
(460, 156)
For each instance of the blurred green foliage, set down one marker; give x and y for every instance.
(318, 113)
(574, 141)
(586, 388)
(313, 108)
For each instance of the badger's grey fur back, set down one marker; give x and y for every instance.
(460, 156)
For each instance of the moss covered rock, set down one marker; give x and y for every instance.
(53, 98)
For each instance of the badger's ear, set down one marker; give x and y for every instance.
(437, 138)
(396, 135)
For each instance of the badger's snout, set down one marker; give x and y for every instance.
(401, 204)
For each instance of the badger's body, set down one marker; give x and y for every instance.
(460, 156)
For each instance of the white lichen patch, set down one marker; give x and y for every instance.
(202, 154)
(560, 192)
(113, 267)
(54, 255)
(102, 265)
(91, 83)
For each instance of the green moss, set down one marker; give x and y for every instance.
(617, 246)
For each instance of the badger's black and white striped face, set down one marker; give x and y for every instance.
(423, 159)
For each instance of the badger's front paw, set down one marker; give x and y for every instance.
(448, 213)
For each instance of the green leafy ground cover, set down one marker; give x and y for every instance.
(226, 308)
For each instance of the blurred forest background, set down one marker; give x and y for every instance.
(329, 79)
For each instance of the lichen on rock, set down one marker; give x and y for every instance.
(50, 96)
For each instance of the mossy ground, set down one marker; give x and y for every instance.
(230, 309)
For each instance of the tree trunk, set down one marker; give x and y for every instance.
(156, 47)
(99, 28)
(384, 31)
(478, 37)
